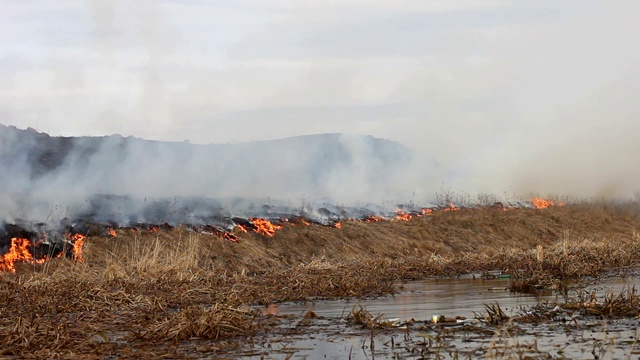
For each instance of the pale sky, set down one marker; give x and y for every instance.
(519, 95)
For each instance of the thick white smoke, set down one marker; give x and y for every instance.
(513, 97)
(45, 178)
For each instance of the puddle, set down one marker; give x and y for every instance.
(330, 336)
(423, 299)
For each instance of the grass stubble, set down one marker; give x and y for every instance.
(156, 294)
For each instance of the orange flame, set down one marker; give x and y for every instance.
(19, 251)
(451, 207)
(540, 203)
(230, 237)
(153, 228)
(426, 211)
(373, 218)
(402, 216)
(112, 232)
(338, 225)
(78, 243)
(264, 226)
(241, 228)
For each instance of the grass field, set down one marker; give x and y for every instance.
(146, 293)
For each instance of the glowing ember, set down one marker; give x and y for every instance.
(78, 243)
(373, 218)
(451, 207)
(264, 226)
(241, 228)
(426, 211)
(230, 237)
(153, 228)
(19, 251)
(402, 216)
(540, 203)
(112, 232)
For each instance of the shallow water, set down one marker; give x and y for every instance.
(423, 299)
(331, 337)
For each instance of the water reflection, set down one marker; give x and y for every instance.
(332, 338)
(423, 299)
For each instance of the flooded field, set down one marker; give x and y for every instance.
(322, 330)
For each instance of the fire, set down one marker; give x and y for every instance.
(373, 218)
(230, 237)
(426, 211)
(19, 251)
(112, 232)
(241, 228)
(402, 216)
(153, 228)
(540, 203)
(78, 243)
(451, 207)
(338, 225)
(264, 226)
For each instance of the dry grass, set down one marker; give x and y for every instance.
(623, 304)
(140, 290)
(215, 322)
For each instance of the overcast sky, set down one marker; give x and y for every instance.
(537, 96)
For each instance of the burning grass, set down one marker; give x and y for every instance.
(151, 289)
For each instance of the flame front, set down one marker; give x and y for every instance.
(264, 226)
(374, 218)
(452, 207)
(78, 243)
(426, 211)
(19, 251)
(112, 232)
(402, 216)
(540, 203)
(230, 237)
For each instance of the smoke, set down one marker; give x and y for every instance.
(129, 180)
(509, 97)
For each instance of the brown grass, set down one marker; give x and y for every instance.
(140, 290)
(623, 304)
(215, 322)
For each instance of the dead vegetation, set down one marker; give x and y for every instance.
(140, 290)
(215, 322)
(617, 305)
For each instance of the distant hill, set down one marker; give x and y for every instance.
(36, 169)
(312, 155)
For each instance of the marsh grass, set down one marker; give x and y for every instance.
(626, 303)
(494, 314)
(143, 289)
(214, 322)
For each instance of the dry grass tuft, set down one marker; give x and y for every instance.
(360, 316)
(215, 322)
(623, 304)
(495, 315)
